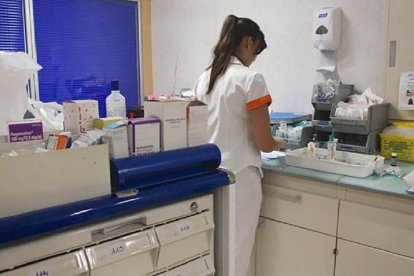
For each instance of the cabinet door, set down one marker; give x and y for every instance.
(284, 250)
(358, 260)
(400, 59)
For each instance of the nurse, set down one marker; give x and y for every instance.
(239, 124)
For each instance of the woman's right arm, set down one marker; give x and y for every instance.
(260, 123)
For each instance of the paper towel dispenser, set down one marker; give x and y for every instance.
(327, 29)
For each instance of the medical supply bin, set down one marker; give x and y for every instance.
(292, 120)
(376, 120)
(398, 138)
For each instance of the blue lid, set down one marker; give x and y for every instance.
(289, 116)
(114, 85)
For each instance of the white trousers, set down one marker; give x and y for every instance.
(236, 213)
(248, 200)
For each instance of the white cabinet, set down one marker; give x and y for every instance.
(176, 239)
(375, 240)
(400, 47)
(358, 260)
(297, 231)
(313, 229)
(284, 250)
(382, 228)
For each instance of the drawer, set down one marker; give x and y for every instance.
(318, 213)
(377, 227)
(133, 255)
(184, 239)
(359, 260)
(68, 264)
(199, 267)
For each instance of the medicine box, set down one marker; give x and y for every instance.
(100, 123)
(172, 115)
(25, 130)
(40, 180)
(144, 135)
(116, 137)
(197, 118)
(79, 115)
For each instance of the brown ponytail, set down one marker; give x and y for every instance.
(233, 31)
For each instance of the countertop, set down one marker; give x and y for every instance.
(387, 184)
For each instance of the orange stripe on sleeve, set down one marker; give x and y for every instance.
(259, 102)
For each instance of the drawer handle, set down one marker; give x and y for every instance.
(279, 195)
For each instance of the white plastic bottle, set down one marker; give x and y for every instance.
(115, 102)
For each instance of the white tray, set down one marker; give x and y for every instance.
(345, 163)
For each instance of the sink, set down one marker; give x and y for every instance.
(345, 163)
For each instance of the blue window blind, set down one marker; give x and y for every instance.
(11, 25)
(83, 45)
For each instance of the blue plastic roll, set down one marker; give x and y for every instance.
(148, 170)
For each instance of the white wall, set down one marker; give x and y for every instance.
(185, 31)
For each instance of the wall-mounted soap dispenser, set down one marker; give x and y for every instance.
(327, 29)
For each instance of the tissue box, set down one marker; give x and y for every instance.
(25, 130)
(79, 115)
(197, 118)
(172, 115)
(117, 139)
(144, 135)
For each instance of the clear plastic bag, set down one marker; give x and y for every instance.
(51, 114)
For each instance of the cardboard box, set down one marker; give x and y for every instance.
(197, 121)
(117, 139)
(172, 115)
(25, 130)
(144, 135)
(40, 180)
(79, 115)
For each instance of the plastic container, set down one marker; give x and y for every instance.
(345, 163)
(115, 102)
(342, 91)
(398, 138)
(360, 143)
(377, 120)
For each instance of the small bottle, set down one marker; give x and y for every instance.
(315, 146)
(393, 159)
(115, 102)
(315, 140)
(334, 149)
(330, 147)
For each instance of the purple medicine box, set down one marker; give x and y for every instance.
(25, 130)
(144, 135)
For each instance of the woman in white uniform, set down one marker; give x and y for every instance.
(239, 124)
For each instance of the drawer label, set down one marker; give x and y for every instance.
(116, 250)
(46, 270)
(184, 227)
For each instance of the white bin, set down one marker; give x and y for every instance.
(130, 255)
(184, 239)
(199, 267)
(69, 264)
